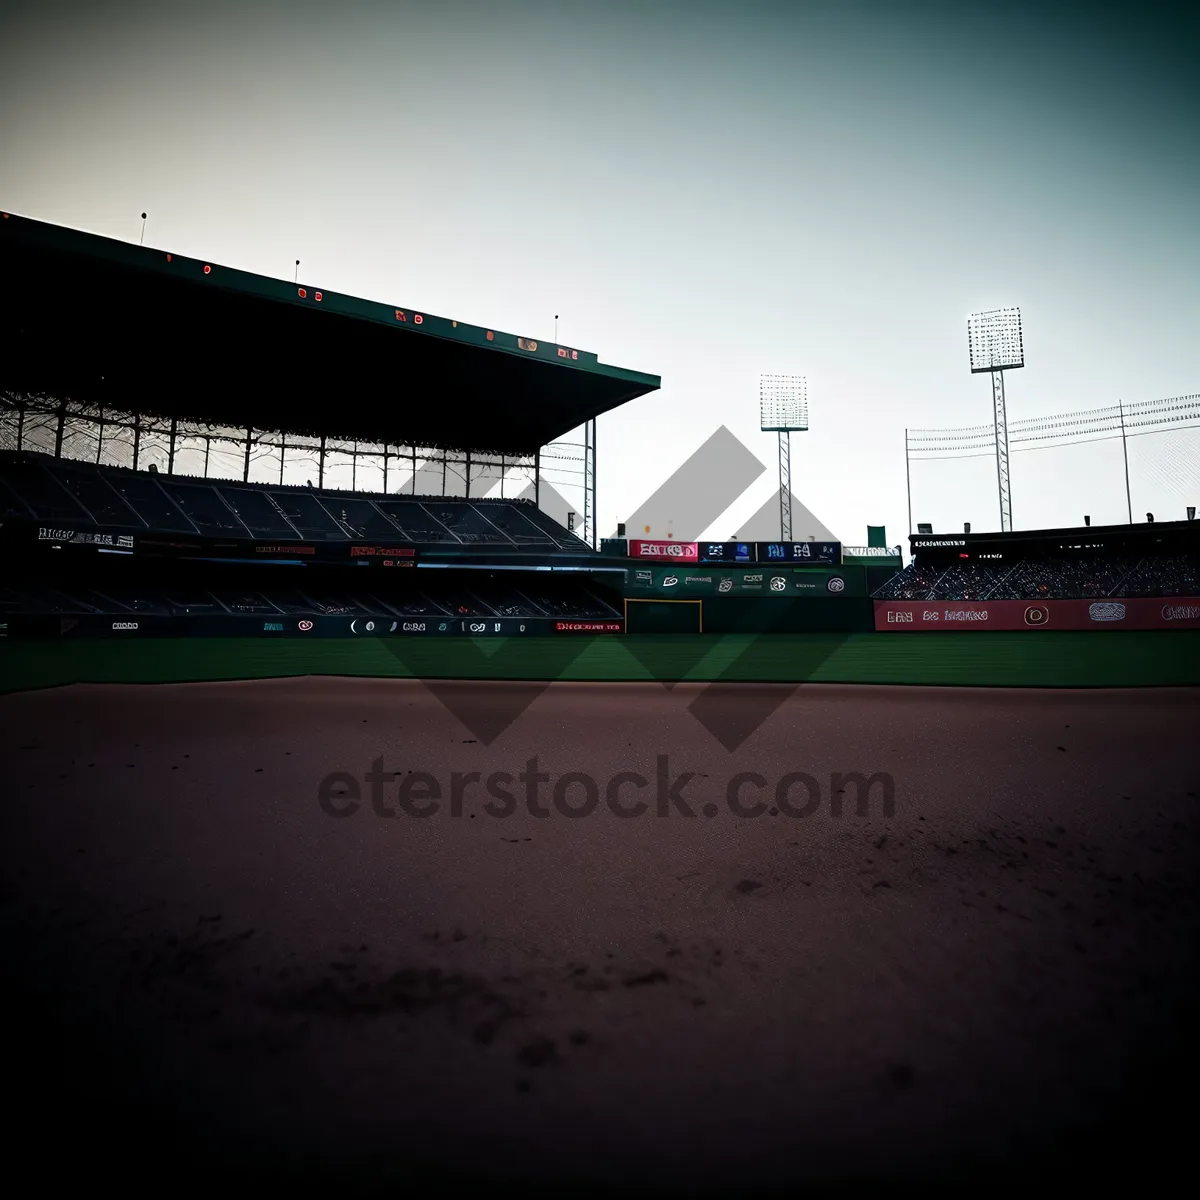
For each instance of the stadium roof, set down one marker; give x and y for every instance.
(1142, 533)
(145, 330)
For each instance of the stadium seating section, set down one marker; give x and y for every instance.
(1048, 579)
(82, 494)
(573, 599)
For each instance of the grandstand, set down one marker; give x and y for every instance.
(1155, 559)
(152, 474)
(85, 496)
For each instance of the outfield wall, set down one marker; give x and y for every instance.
(732, 614)
(1111, 613)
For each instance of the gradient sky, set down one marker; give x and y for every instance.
(705, 191)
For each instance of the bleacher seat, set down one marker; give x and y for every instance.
(81, 494)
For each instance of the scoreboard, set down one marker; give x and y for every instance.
(794, 554)
(726, 552)
(801, 554)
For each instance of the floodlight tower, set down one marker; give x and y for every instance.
(995, 344)
(783, 409)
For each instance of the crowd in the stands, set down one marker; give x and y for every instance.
(1050, 578)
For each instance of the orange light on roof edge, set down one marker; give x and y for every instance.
(301, 293)
(168, 258)
(207, 269)
(317, 297)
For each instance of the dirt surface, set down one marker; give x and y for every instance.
(209, 974)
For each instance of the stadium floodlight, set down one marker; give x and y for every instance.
(783, 403)
(783, 410)
(996, 344)
(994, 341)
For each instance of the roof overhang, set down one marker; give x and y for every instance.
(146, 330)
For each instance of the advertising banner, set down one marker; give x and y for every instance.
(80, 537)
(1138, 612)
(660, 551)
(142, 626)
(757, 580)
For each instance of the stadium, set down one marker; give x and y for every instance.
(316, 525)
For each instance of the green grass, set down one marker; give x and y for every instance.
(1042, 659)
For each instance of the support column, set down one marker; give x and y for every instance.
(785, 486)
(1125, 454)
(908, 482)
(1000, 418)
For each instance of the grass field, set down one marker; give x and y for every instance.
(1043, 659)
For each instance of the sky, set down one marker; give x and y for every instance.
(704, 191)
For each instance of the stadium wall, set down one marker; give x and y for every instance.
(980, 616)
(732, 614)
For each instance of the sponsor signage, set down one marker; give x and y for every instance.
(762, 581)
(77, 537)
(1138, 612)
(383, 552)
(800, 554)
(208, 625)
(665, 551)
(932, 542)
(727, 552)
(1181, 612)
(871, 551)
(283, 548)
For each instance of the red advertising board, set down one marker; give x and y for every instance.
(660, 551)
(1138, 612)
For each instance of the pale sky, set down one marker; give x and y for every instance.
(704, 191)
